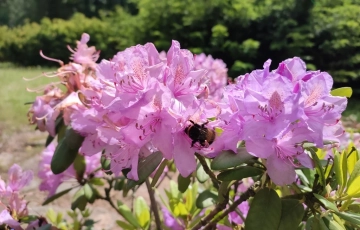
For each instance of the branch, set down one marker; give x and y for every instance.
(218, 208)
(207, 169)
(250, 192)
(154, 207)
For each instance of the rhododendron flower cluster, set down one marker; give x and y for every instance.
(140, 102)
(13, 206)
(50, 182)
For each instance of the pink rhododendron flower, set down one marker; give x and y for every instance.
(83, 54)
(50, 182)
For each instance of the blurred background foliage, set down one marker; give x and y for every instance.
(244, 33)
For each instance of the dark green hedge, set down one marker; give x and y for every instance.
(325, 33)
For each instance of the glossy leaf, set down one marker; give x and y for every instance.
(239, 173)
(206, 199)
(354, 188)
(159, 172)
(332, 224)
(265, 211)
(183, 183)
(327, 203)
(318, 223)
(89, 193)
(79, 200)
(145, 167)
(355, 172)
(124, 225)
(45, 227)
(229, 159)
(105, 164)
(201, 175)
(351, 217)
(79, 166)
(125, 212)
(352, 157)
(96, 181)
(342, 92)
(292, 212)
(66, 151)
(57, 195)
(318, 166)
(142, 212)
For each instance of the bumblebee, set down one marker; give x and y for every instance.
(199, 133)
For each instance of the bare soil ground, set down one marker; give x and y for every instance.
(24, 148)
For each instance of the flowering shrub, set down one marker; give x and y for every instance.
(267, 146)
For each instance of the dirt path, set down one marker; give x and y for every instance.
(24, 148)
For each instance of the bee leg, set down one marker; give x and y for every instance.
(203, 125)
(206, 144)
(192, 122)
(193, 143)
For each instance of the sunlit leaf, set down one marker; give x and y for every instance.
(79, 200)
(265, 211)
(327, 203)
(142, 212)
(351, 217)
(89, 193)
(125, 212)
(342, 92)
(292, 212)
(239, 173)
(318, 166)
(355, 173)
(229, 159)
(331, 223)
(124, 225)
(354, 188)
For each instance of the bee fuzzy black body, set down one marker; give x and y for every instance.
(199, 133)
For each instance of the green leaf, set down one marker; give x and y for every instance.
(105, 164)
(45, 227)
(342, 92)
(49, 139)
(239, 173)
(292, 212)
(183, 183)
(79, 200)
(57, 195)
(89, 193)
(201, 175)
(142, 212)
(124, 225)
(79, 166)
(354, 208)
(158, 173)
(119, 184)
(332, 224)
(265, 211)
(223, 190)
(206, 199)
(229, 159)
(125, 212)
(318, 223)
(354, 188)
(327, 203)
(66, 151)
(145, 167)
(96, 181)
(318, 166)
(340, 165)
(350, 217)
(51, 215)
(355, 173)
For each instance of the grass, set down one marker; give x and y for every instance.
(13, 94)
